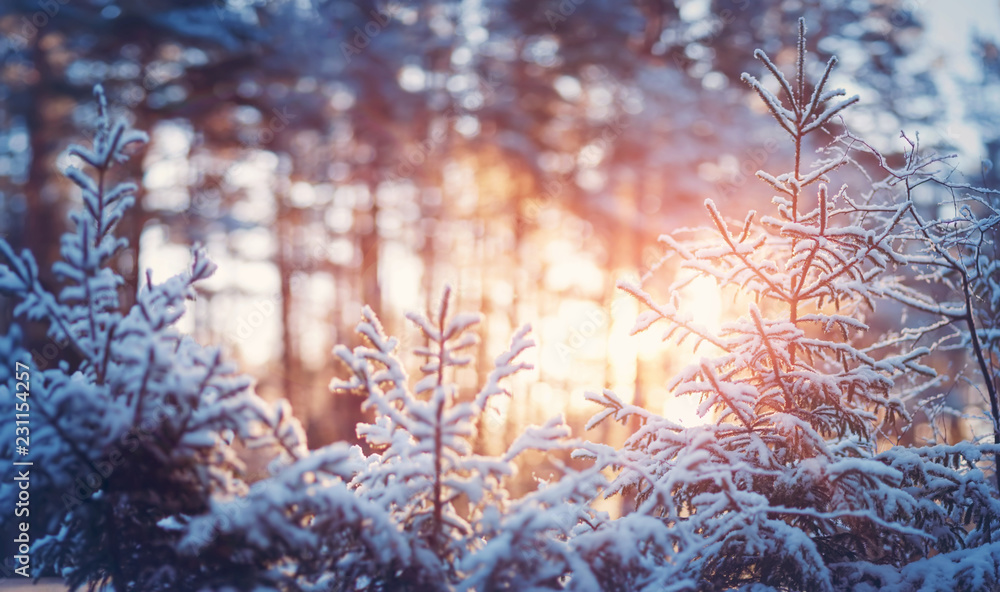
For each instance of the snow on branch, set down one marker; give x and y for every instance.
(801, 390)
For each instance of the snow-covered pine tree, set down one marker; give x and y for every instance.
(464, 530)
(137, 437)
(784, 488)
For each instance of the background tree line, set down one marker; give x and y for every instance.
(349, 153)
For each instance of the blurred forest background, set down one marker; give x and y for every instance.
(333, 154)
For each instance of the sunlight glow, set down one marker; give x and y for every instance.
(163, 260)
(702, 300)
(624, 348)
(684, 410)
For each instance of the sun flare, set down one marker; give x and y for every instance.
(702, 300)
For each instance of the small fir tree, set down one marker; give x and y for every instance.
(141, 431)
(465, 530)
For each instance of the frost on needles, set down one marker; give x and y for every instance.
(793, 483)
(465, 530)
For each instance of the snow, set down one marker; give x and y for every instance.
(792, 482)
(789, 462)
